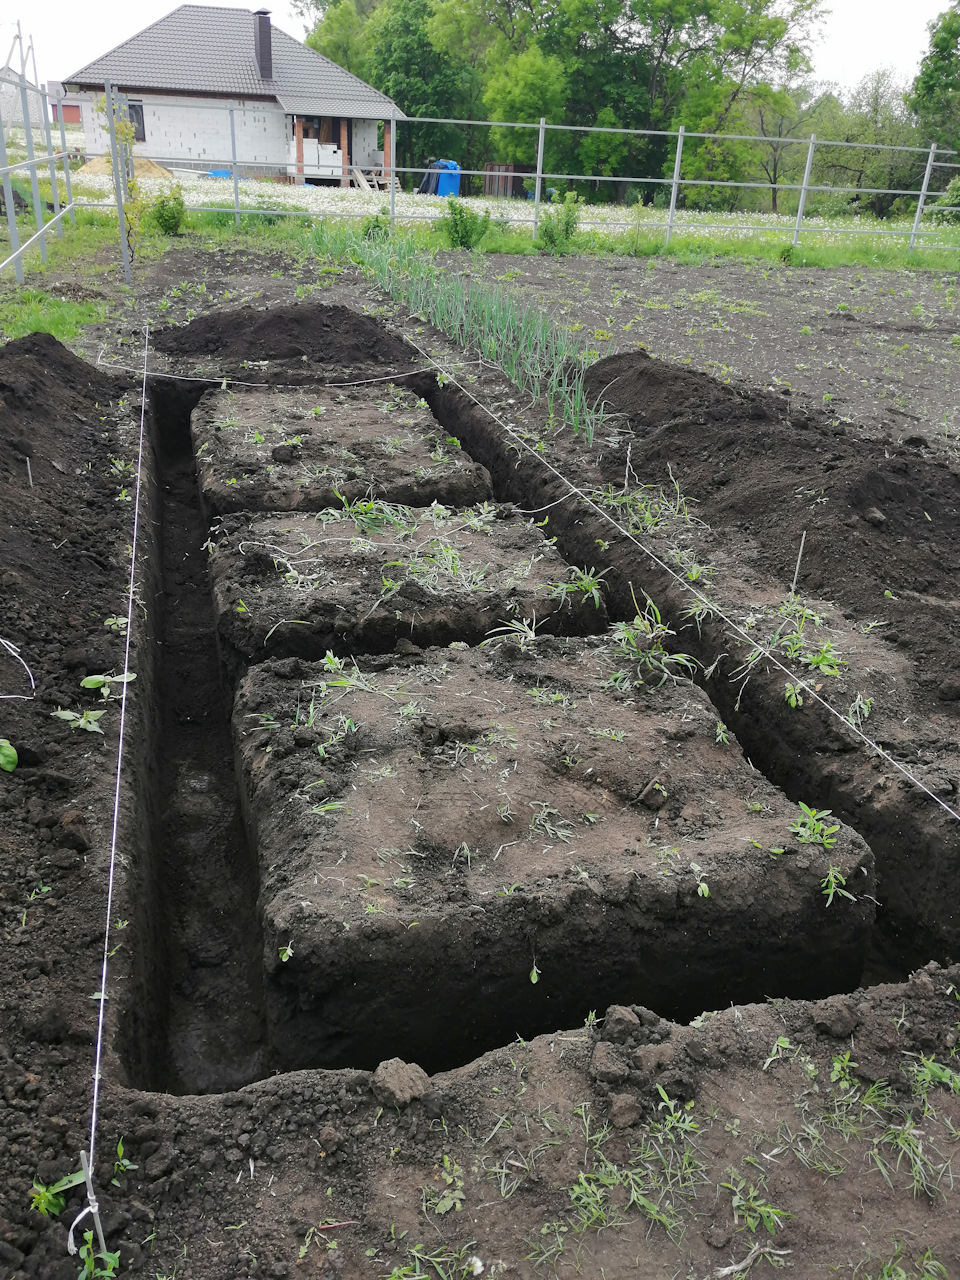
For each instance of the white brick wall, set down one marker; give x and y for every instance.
(196, 132)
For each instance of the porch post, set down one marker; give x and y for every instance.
(344, 154)
(298, 133)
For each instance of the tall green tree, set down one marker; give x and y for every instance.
(874, 115)
(341, 35)
(632, 67)
(402, 62)
(935, 94)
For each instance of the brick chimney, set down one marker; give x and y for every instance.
(263, 43)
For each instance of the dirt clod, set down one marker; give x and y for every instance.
(398, 1083)
(608, 1064)
(836, 1016)
(625, 1110)
(620, 1024)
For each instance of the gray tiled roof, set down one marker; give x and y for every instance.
(202, 49)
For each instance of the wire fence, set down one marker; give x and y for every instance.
(30, 95)
(926, 170)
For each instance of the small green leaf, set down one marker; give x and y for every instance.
(8, 756)
(534, 974)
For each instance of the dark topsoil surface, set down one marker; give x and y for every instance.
(317, 447)
(231, 1186)
(302, 585)
(329, 335)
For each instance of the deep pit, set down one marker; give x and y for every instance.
(442, 989)
(209, 1032)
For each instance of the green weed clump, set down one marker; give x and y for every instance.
(557, 230)
(463, 227)
(168, 212)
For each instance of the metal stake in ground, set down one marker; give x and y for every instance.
(393, 166)
(803, 190)
(931, 161)
(66, 160)
(11, 211)
(796, 572)
(118, 190)
(539, 179)
(675, 184)
(54, 191)
(34, 185)
(233, 169)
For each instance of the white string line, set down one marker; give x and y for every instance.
(276, 386)
(116, 792)
(18, 697)
(734, 626)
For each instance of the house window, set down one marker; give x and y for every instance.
(135, 111)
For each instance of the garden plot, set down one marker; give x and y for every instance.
(524, 831)
(361, 577)
(312, 448)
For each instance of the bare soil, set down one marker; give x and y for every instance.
(315, 448)
(363, 580)
(631, 1145)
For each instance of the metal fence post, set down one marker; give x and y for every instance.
(66, 160)
(923, 194)
(11, 211)
(393, 166)
(125, 153)
(233, 169)
(675, 185)
(539, 180)
(803, 190)
(54, 191)
(117, 188)
(34, 185)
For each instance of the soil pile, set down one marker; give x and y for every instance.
(331, 334)
(650, 392)
(42, 384)
(142, 167)
(880, 517)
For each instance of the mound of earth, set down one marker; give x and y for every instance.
(142, 167)
(332, 334)
(650, 392)
(42, 384)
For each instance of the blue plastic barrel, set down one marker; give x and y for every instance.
(448, 180)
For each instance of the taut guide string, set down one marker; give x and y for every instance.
(87, 1158)
(731, 623)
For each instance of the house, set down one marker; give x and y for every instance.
(203, 76)
(71, 110)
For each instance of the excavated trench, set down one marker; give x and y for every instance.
(227, 1019)
(914, 843)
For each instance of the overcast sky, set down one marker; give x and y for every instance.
(859, 37)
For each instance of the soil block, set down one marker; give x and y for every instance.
(471, 844)
(361, 578)
(303, 449)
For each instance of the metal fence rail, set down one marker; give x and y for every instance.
(934, 160)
